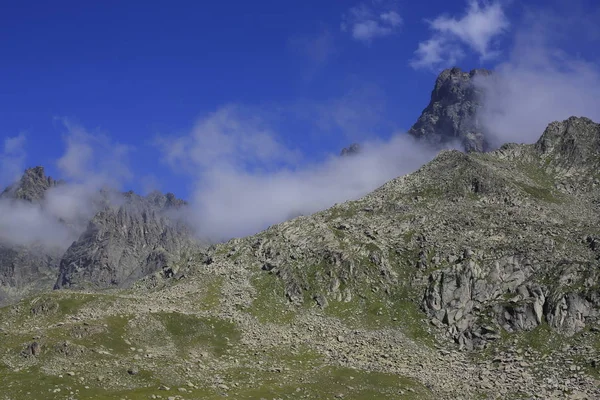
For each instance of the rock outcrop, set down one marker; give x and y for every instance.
(351, 150)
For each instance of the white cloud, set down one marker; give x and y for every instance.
(12, 159)
(392, 18)
(230, 138)
(316, 50)
(540, 82)
(23, 223)
(93, 157)
(349, 117)
(476, 30)
(232, 200)
(365, 24)
(436, 52)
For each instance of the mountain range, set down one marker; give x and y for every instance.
(476, 276)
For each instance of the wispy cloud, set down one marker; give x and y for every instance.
(93, 156)
(317, 50)
(366, 23)
(90, 162)
(356, 115)
(232, 200)
(541, 81)
(12, 159)
(230, 138)
(476, 31)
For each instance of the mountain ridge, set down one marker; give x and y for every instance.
(475, 276)
(134, 235)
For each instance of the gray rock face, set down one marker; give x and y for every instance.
(573, 144)
(26, 269)
(124, 243)
(451, 113)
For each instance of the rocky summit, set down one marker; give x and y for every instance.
(451, 115)
(475, 277)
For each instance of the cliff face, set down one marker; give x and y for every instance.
(451, 115)
(125, 243)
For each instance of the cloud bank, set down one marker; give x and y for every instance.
(246, 179)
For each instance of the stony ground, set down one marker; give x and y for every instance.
(210, 336)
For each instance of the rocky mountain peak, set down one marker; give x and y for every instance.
(32, 186)
(450, 115)
(351, 150)
(168, 200)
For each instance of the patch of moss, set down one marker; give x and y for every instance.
(270, 304)
(212, 295)
(408, 235)
(33, 383)
(341, 211)
(190, 331)
(540, 193)
(335, 382)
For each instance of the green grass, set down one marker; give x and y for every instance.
(342, 211)
(33, 383)
(111, 338)
(540, 193)
(190, 331)
(322, 382)
(212, 296)
(270, 304)
(332, 383)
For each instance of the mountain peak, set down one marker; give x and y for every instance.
(32, 186)
(450, 115)
(351, 150)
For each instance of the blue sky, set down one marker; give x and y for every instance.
(121, 88)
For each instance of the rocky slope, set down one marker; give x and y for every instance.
(474, 277)
(119, 239)
(451, 115)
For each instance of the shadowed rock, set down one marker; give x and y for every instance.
(450, 116)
